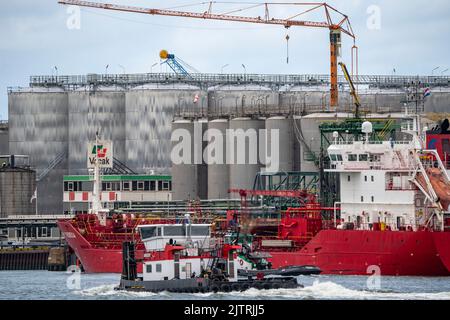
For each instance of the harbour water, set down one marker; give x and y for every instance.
(43, 285)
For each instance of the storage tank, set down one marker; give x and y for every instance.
(4, 138)
(90, 110)
(149, 114)
(184, 175)
(38, 127)
(17, 186)
(284, 146)
(242, 175)
(218, 173)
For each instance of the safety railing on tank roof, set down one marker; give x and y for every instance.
(269, 110)
(133, 79)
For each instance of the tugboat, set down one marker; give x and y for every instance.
(185, 258)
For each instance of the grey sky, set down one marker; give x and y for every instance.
(34, 38)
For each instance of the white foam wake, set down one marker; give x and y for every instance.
(317, 291)
(332, 291)
(108, 290)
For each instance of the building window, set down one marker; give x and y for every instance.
(18, 233)
(126, 186)
(158, 267)
(152, 185)
(165, 186)
(106, 186)
(147, 185)
(70, 186)
(149, 268)
(348, 178)
(365, 178)
(44, 232)
(372, 178)
(134, 185)
(115, 186)
(140, 185)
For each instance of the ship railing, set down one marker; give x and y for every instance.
(402, 187)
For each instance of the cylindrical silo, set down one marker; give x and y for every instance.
(243, 152)
(218, 169)
(150, 110)
(184, 170)
(201, 126)
(38, 127)
(280, 144)
(17, 186)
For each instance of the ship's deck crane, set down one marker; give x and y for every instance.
(353, 91)
(335, 21)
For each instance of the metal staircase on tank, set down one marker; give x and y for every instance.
(52, 165)
(118, 168)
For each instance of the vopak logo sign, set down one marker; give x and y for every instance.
(101, 152)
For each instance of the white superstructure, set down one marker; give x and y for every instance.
(376, 185)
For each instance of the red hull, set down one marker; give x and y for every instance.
(94, 259)
(442, 243)
(353, 252)
(333, 251)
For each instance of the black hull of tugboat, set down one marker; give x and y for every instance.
(202, 285)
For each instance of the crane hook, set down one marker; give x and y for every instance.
(287, 48)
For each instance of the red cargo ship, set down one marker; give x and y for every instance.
(391, 218)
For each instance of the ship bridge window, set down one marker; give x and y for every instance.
(174, 231)
(352, 157)
(200, 231)
(126, 186)
(446, 146)
(148, 232)
(363, 157)
(339, 157)
(375, 158)
(333, 157)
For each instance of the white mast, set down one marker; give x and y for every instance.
(97, 207)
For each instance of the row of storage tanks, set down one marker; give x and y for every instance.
(47, 122)
(208, 180)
